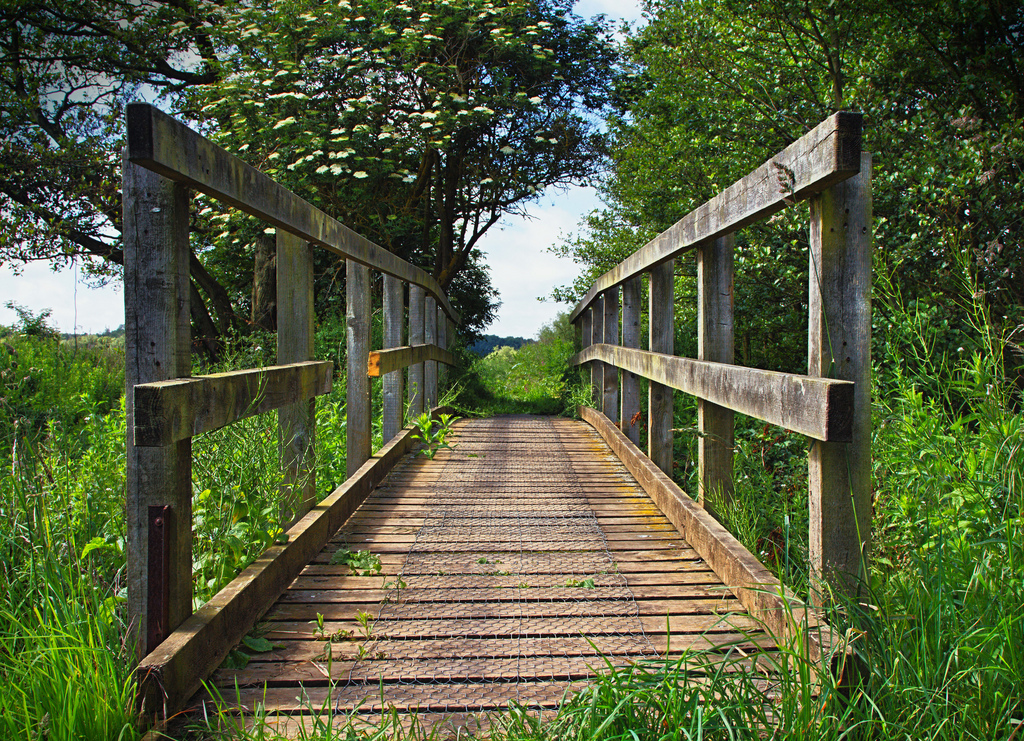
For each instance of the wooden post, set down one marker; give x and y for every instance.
(629, 417)
(839, 346)
(296, 422)
(417, 297)
(157, 335)
(394, 318)
(715, 343)
(611, 337)
(597, 367)
(661, 314)
(430, 367)
(586, 323)
(442, 342)
(357, 400)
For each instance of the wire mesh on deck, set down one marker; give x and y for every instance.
(509, 586)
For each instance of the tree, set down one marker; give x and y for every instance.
(66, 72)
(715, 87)
(419, 124)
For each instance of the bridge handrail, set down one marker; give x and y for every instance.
(831, 404)
(164, 145)
(164, 160)
(826, 155)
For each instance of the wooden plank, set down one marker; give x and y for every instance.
(715, 344)
(357, 342)
(169, 411)
(296, 422)
(610, 400)
(825, 155)
(157, 334)
(161, 144)
(415, 391)
(430, 366)
(383, 362)
(629, 411)
(394, 395)
(840, 347)
(818, 407)
(660, 404)
(172, 673)
(765, 598)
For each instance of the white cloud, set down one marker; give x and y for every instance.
(523, 270)
(73, 302)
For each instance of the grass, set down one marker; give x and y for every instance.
(939, 629)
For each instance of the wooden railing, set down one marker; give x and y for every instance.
(831, 404)
(166, 407)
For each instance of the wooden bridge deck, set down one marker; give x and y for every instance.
(509, 566)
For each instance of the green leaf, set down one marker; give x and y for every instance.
(259, 645)
(235, 660)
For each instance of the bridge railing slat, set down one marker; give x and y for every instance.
(820, 408)
(169, 411)
(384, 362)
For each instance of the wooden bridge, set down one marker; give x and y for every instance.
(537, 550)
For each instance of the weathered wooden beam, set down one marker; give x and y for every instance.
(660, 404)
(296, 423)
(417, 299)
(610, 385)
(784, 616)
(357, 342)
(169, 411)
(387, 361)
(162, 144)
(597, 367)
(839, 346)
(825, 155)
(430, 365)
(441, 342)
(715, 344)
(171, 674)
(394, 319)
(817, 407)
(629, 411)
(157, 337)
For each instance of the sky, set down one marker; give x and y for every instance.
(516, 249)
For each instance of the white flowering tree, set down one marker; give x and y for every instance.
(419, 123)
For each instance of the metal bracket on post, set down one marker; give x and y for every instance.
(158, 596)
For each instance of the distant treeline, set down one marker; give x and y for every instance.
(119, 332)
(490, 342)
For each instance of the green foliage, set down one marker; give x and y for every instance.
(62, 674)
(417, 124)
(363, 563)
(535, 378)
(65, 76)
(488, 343)
(46, 381)
(433, 433)
(715, 87)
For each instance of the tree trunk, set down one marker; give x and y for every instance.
(264, 285)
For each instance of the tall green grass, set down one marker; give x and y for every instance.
(939, 629)
(63, 666)
(64, 671)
